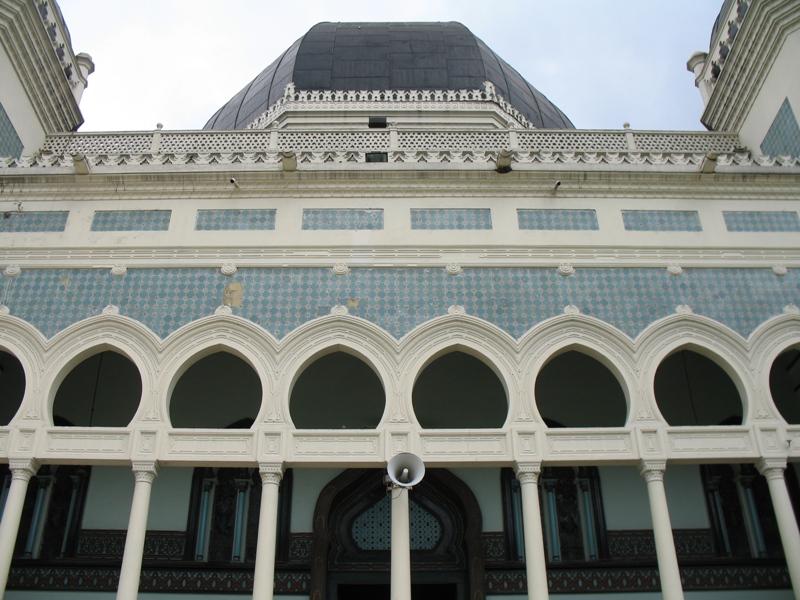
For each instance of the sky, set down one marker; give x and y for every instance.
(603, 62)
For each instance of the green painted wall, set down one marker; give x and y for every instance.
(308, 483)
(485, 484)
(108, 500)
(716, 595)
(627, 507)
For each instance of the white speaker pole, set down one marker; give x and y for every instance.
(404, 471)
(401, 545)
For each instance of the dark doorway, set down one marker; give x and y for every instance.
(419, 591)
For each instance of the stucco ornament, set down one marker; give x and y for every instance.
(791, 309)
(228, 269)
(340, 269)
(456, 309)
(571, 309)
(780, 270)
(111, 309)
(12, 271)
(339, 310)
(119, 270)
(674, 269)
(223, 309)
(566, 269)
(684, 309)
(454, 269)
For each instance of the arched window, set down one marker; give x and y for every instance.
(102, 391)
(458, 390)
(337, 391)
(740, 510)
(784, 384)
(223, 515)
(12, 387)
(572, 514)
(52, 512)
(692, 389)
(215, 392)
(575, 390)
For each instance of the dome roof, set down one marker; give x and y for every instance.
(383, 56)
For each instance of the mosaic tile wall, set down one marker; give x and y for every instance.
(399, 299)
(10, 144)
(761, 220)
(131, 220)
(33, 221)
(343, 218)
(556, 219)
(783, 136)
(661, 220)
(451, 218)
(235, 219)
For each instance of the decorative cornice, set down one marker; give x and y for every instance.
(759, 39)
(26, 36)
(294, 99)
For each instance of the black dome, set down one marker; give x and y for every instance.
(382, 56)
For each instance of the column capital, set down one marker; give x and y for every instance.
(528, 472)
(771, 468)
(653, 470)
(23, 468)
(145, 471)
(271, 472)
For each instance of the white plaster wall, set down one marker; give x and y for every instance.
(307, 485)
(108, 500)
(485, 484)
(397, 230)
(18, 107)
(781, 82)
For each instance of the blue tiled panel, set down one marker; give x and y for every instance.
(399, 299)
(131, 220)
(343, 218)
(33, 221)
(661, 220)
(451, 218)
(10, 144)
(235, 219)
(761, 220)
(783, 136)
(556, 218)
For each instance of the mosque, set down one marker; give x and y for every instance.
(389, 241)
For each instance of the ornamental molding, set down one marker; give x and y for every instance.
(759, 39)
(470, 255)
(303, 100)
(479, 159)
(32, 38)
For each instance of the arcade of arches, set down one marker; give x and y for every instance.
(468, 525)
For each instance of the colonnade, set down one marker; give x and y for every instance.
(527, 474)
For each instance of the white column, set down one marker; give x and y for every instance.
(401, 546)
(145, 474)
(21, 473)
(535, 564)
(271, 475)
(670, 575)
(787, 524)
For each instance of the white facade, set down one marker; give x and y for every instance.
(627, 247)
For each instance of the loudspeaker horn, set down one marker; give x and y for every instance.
(405, 470)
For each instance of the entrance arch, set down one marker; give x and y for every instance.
(350, 549)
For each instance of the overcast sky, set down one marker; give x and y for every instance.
(603, 62)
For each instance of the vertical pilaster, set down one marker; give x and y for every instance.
(144, 473)
(263, 584)
(21, 473)
(773, 470)
(670, 575)
(401, 545)
(535, 564)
